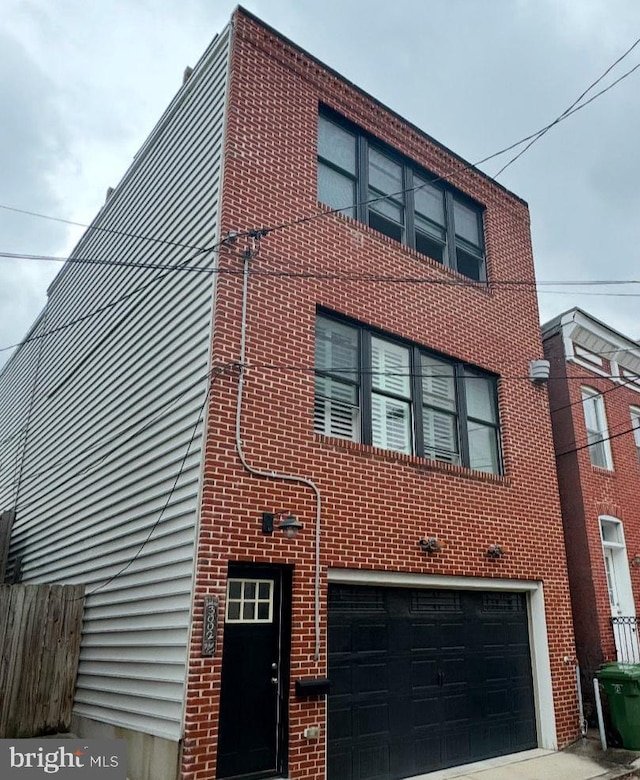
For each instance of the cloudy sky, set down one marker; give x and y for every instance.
(82, 83)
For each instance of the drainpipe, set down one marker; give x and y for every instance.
(248, 255)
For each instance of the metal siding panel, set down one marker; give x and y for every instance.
(118, 396)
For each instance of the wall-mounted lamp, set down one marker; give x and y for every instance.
(635, 560)
(539, 371)
(430, 545)
(494, 551)
(289, 524)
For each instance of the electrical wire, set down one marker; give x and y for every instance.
(447, 176)
(575, 103)
(598, 441)
(165, 506)
(102, 308)
(27, 426)
(133, 434)
(311, 273)
(114, 231)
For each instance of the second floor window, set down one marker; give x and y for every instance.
(369, 182)
(399, 397)
(596, 424)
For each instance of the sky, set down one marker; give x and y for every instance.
(83, 83)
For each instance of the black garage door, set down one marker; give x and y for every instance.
(424, 679)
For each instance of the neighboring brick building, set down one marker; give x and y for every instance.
(594, 393)
(369, 375)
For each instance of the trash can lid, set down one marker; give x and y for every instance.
(619, 671)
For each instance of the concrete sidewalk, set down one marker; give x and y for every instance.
(583, 761)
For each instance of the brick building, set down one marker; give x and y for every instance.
(354, 566)
(594, 393)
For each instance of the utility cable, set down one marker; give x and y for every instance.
(597, 441)
(575, 103)
(164, 508)
(114, 231)
(447, 176)
(327, 276)
(132, 434)
(101, 309)
(30, 411)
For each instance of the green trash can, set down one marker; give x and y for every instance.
(621, 683)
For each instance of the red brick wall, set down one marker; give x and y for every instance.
(588, 492)
(376, 505)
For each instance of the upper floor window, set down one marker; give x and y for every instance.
(596, 424)
(397, 396)
(635, 424)
(371, 183)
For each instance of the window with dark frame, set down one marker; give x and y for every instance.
(366, 180)
(398, 396)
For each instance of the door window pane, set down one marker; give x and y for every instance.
(249, 601)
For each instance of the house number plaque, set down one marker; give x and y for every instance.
(210, 625)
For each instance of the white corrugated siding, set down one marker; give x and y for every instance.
(117, 399)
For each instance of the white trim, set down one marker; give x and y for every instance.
(585, 354)
(539, 644)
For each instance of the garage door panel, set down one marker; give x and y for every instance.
(436, 679)
(371, 678)
(370, 638)
(340, 636)
(341, 679)
(373, 763)
(426, 711)
(340, 724)
(372, 720)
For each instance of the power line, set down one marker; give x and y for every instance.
(575, 103)
(598, 441)
(117, 263)
(313, 274)
(447, 176)
(133, 434)
(114, 231)
(101, 309)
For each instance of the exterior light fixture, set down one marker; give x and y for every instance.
(430, 545)
(289, 523)
(539, 371)
(494, 551)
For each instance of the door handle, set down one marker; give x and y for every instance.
(440, 679)
(274, 680)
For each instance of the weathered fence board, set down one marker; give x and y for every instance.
(40, 629)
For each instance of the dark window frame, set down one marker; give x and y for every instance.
(362, 210)
(364, 384)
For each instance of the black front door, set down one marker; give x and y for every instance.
(254, 674)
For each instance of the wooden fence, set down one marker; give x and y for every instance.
(40, 629)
